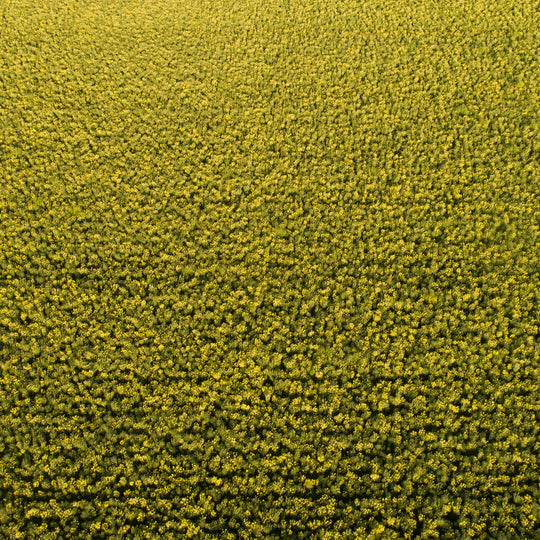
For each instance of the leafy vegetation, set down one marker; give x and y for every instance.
(269, 269)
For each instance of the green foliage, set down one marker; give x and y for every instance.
(269, 269)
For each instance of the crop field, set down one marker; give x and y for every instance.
(269, 269)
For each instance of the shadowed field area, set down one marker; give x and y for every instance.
(269, 269)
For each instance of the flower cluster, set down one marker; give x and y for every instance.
(269, 269)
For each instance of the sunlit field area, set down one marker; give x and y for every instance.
(269, 269)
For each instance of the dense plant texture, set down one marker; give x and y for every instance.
(269, 269)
